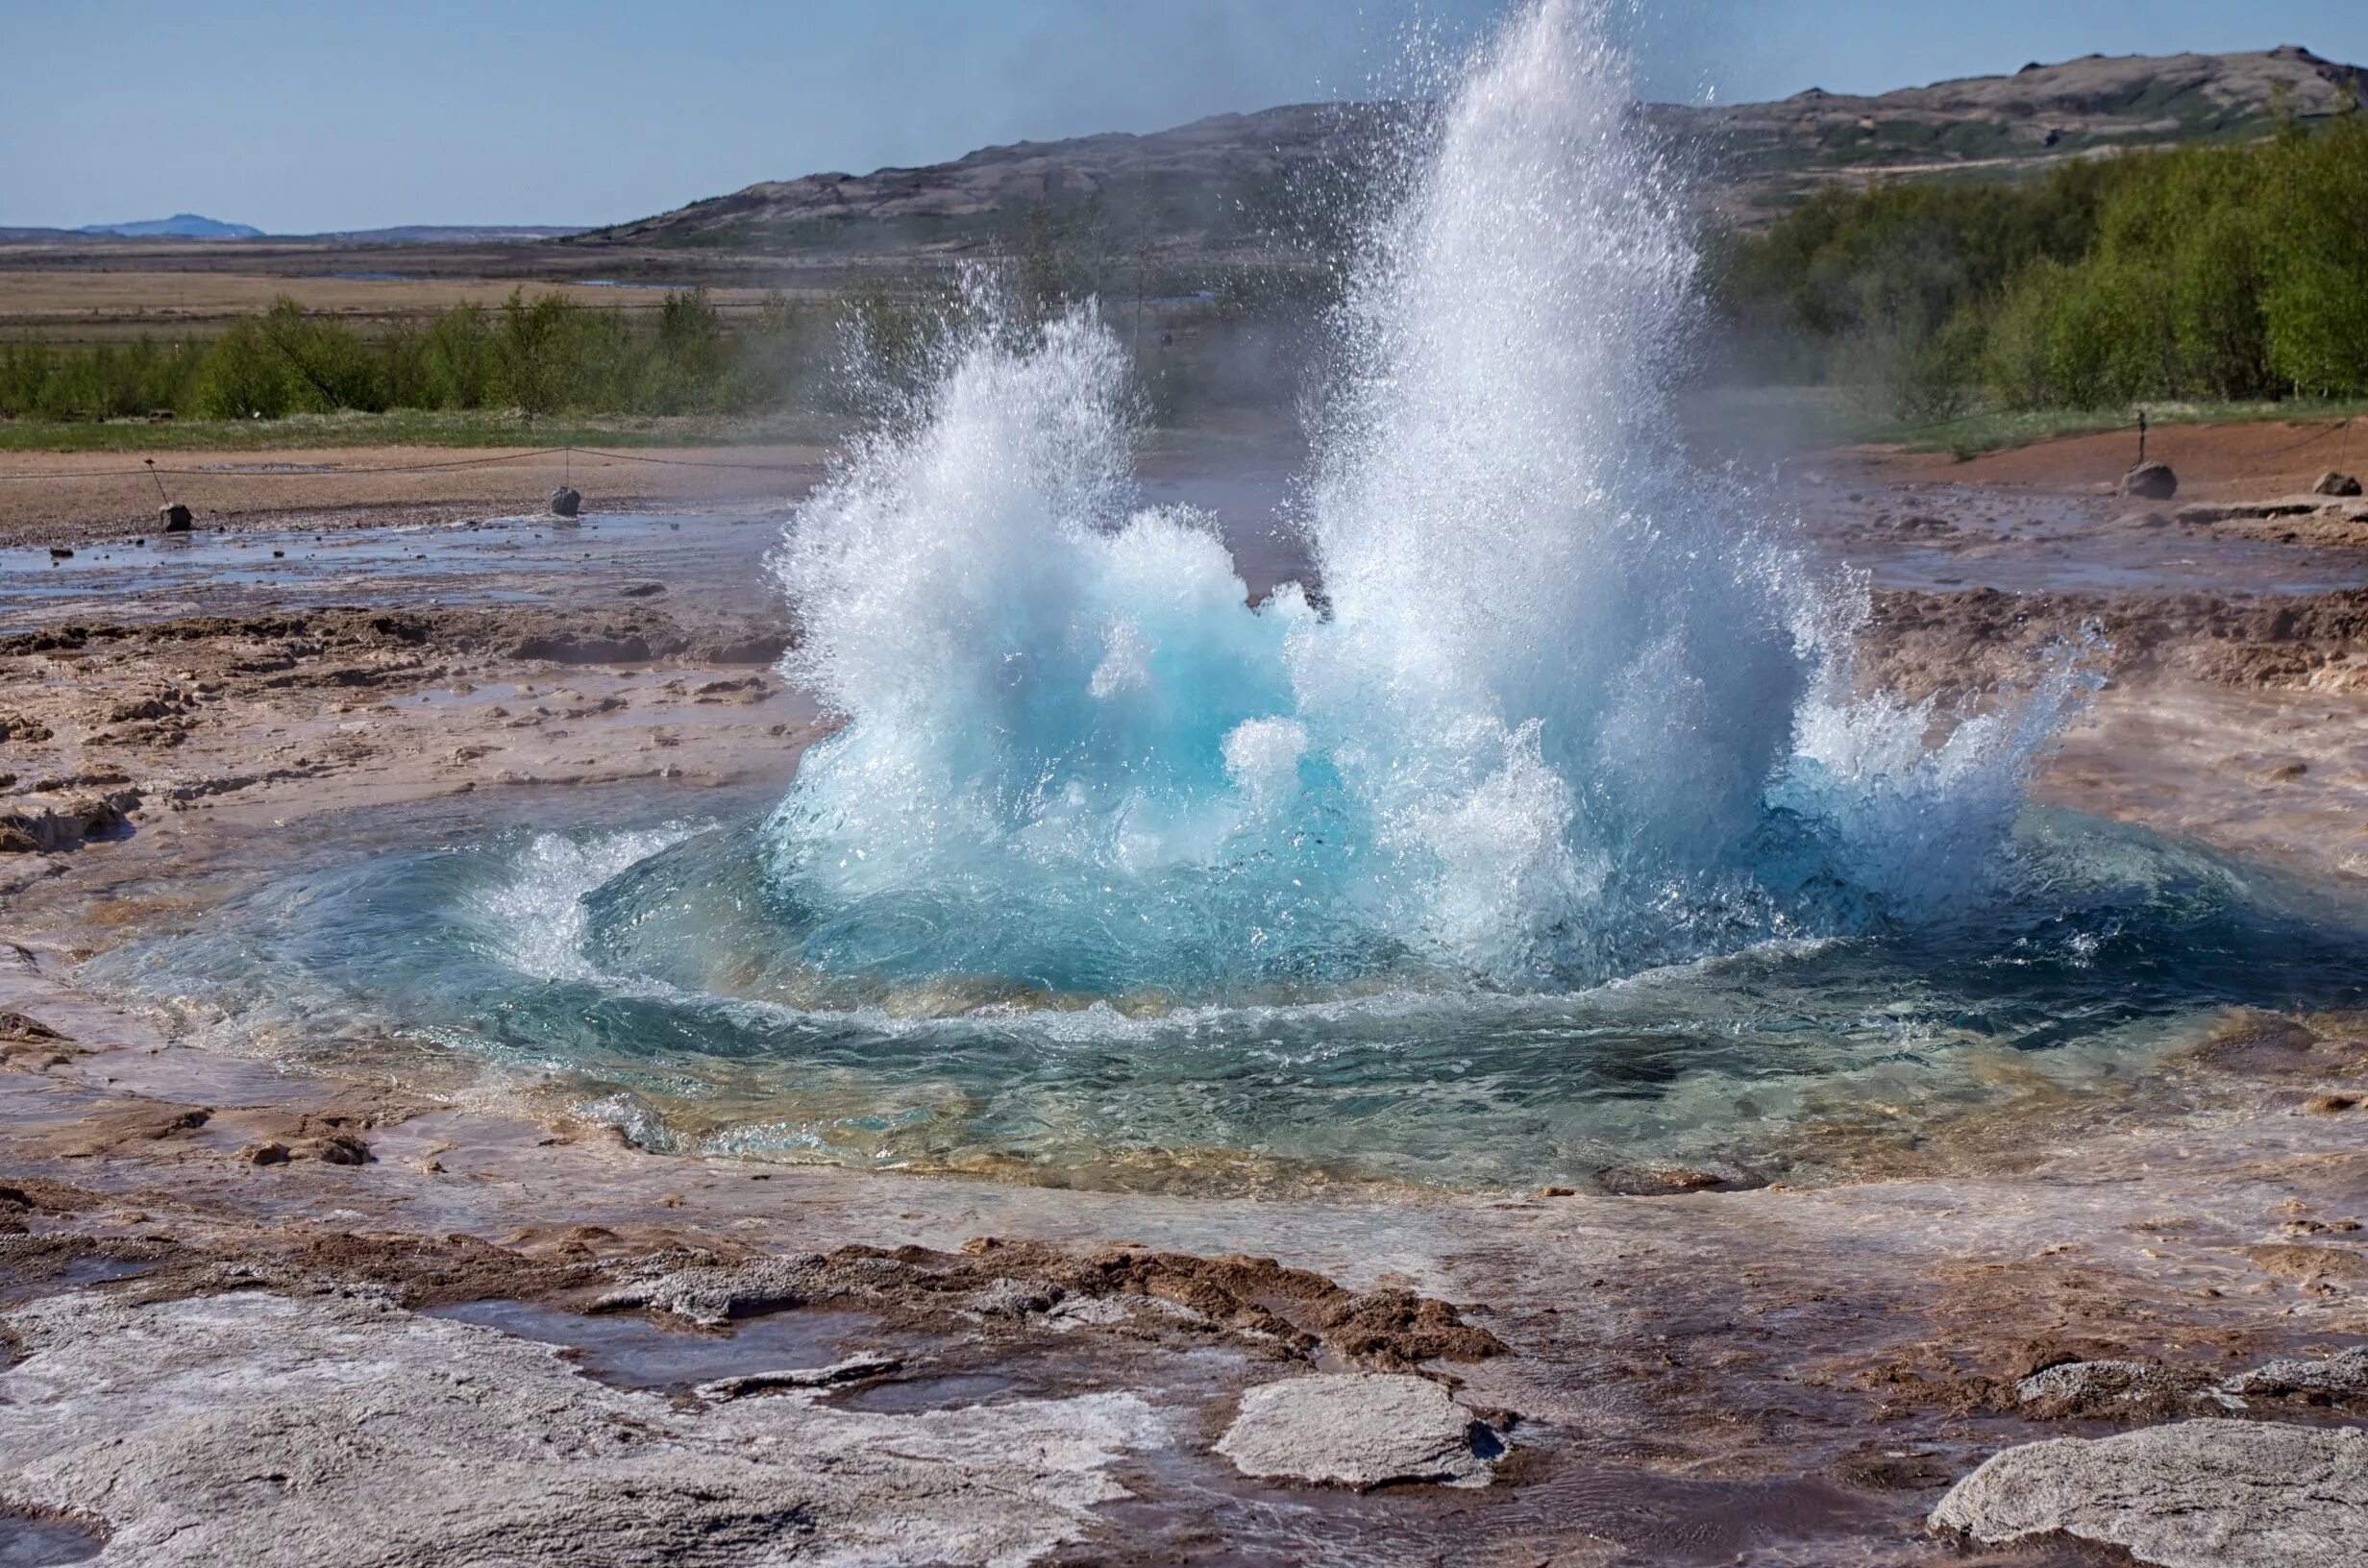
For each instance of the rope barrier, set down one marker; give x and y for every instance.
(691, 462)
(2315, 437)
(2319, 434)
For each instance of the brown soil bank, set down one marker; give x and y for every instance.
(2214, 462)
(69, 498)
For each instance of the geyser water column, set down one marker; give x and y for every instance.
(1562, 668)
(1571, 709)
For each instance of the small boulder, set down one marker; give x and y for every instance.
(175, 517)
(2090, 1384)
(2343, 1374)
(1361, 1430)
(2151, 482)
(2332, 483)
(711, 1296)
(566, 502)
(2194, 1494)
(861, 1366)
(340, 1149)
(49, 825)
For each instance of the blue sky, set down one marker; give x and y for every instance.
(320, 114)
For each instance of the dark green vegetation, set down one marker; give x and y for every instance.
(538, 357)
(2206, 273)
(548, 372)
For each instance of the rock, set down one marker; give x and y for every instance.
(270, 1152)
(175, 517)
(1007, 1297)
(2151, 482)
(2249, 511)
(855, 1368)
(566, 502)
(711, 1296)
(1358, 1429)
(2341, 1375)
(21, 1029)
(340, 1149)
(48, 826)
(2091, 1382)
(2196, 1494)
(1660, 1181)
(2301, 1262)
(759, 649)
(569, 648)
(2332, 483)
(255, 1428)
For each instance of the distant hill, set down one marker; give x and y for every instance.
(1772, 152)
(1233, 182)
(1227, 179)
(186, 226)
(180, 226)
(451, 233)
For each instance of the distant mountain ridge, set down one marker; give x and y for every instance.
(1225, 183)
(180, 226)
(2040, 113)
(449, 233)
(189, 226)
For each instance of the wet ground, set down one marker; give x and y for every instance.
(1778, 1376)
(1933, 535)
(503, 560)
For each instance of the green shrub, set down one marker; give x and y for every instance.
(2228, 272)
(2316, 229)
(243, 377)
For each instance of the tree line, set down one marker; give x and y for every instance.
(543, 356)
(2204, 272)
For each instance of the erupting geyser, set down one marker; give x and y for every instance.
(1490, 866)
(1573, 709)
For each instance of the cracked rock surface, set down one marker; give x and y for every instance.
(2197, 1494)
(1354, 1429)
(270, 1429)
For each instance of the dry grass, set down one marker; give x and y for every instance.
(64, 304)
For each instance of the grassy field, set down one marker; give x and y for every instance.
(69, 307)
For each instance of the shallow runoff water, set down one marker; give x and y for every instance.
(1556, 836)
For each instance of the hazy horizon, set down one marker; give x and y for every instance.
(311, 119)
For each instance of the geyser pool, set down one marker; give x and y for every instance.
(1558, 833)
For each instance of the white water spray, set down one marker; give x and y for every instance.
(1570, 711)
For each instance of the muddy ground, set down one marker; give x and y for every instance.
(80, 500)
(257, 1315)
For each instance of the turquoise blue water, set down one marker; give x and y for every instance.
(654, 978)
